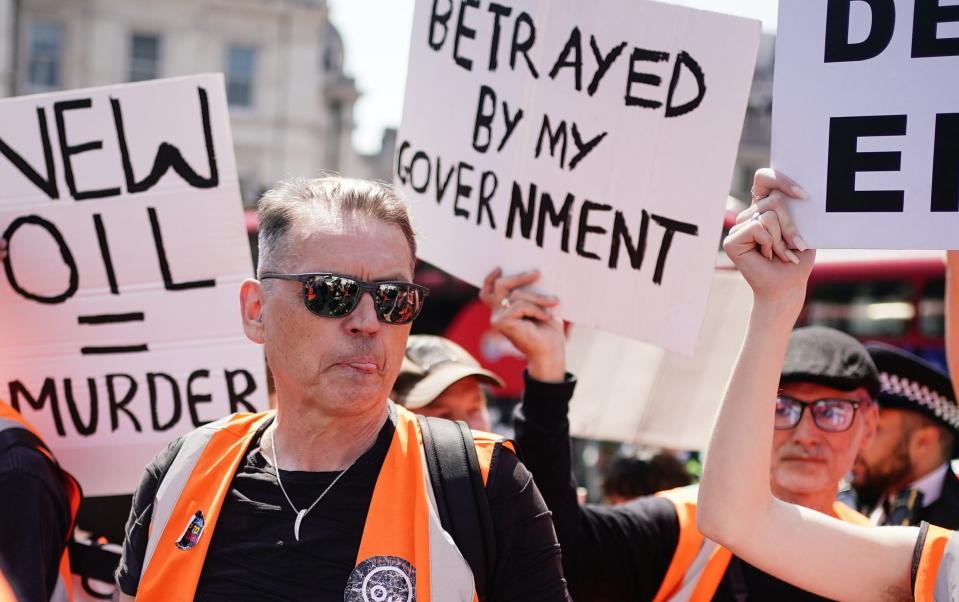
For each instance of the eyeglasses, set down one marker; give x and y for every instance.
(336, 296)
(830, 415)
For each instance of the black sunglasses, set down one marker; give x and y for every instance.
(336, 296)
(830, 415)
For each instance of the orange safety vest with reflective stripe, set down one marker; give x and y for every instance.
(699, 564)
(403, 541)
(11, 419)
(937, 572)
(6, 592)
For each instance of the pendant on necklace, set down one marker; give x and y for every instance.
(296, 525)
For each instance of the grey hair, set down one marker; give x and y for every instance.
(295, 199)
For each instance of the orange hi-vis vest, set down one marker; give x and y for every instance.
(699, 564)
(11, 419)
(6, 592)
(403, 541)
(936, 577)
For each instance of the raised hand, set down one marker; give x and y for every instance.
(765, 245)
(526, 319)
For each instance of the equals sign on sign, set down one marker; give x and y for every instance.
(112, 319)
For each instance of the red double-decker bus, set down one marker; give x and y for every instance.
(896, 297)
(892, 296)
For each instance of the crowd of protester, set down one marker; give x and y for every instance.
(341, 490)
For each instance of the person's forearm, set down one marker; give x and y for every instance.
(548, 365)
(735, 483)
(737, 509)
(548, 369)
(542, 434)
(533, 558)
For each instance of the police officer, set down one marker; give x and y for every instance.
(906, 467)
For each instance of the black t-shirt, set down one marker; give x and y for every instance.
(613, 553)
(254, 555)
(34, 519)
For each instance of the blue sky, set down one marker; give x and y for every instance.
(376, 34)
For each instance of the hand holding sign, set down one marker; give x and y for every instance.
(757, 244)
(527, 320)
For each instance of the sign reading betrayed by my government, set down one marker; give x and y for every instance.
(866, 119)
(118, 298)
(594, 141)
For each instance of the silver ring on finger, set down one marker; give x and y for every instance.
(757, 217)
(505, 303)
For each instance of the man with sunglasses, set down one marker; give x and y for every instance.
(328, 497)
(650, 548)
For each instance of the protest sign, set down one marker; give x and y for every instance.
(127, 246)
(866, 119)
(592, 140)
(637, 393)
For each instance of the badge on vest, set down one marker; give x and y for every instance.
(381, 579)
(191, 535)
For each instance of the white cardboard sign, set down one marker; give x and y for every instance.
(866, 119)
(592, 140)
(636, 393)
(118, 300)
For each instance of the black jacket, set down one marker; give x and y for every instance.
(944, 512)
(614, 553)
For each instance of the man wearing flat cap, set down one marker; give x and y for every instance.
(440, 378)
(650, 548)
(906, 468)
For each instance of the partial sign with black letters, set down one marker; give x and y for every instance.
(592, 140)
(119, 295)
(866, 119)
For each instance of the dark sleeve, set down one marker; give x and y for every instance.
(138, 524)
(609, 553)
(528, 563)
(917, 553)
(34, 519)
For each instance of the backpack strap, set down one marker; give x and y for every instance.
(21, 437)
(94, 560)
(460, 495)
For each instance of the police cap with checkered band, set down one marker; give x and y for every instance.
(911, 383)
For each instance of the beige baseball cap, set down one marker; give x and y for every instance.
(432, 364)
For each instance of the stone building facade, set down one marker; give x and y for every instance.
(291, 104)
(757, 129)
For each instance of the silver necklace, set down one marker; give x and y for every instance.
(300, 514)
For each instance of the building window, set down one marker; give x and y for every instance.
(45, 68)
(144, 57)
(240, 67)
